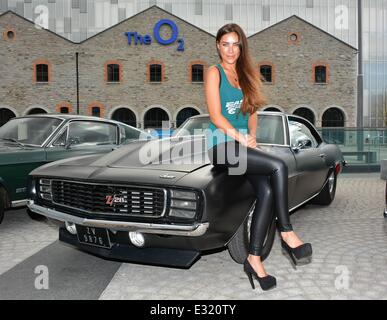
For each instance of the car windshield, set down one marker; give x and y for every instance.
(29, 131)
(194, 126)
(270, 128)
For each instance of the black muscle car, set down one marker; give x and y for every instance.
(177, 205)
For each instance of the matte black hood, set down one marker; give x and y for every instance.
(170, 154)
(139, 161)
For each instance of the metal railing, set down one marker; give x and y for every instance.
(363, 149)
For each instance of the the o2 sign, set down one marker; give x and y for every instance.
(137, 38)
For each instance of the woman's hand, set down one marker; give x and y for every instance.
(251, 141)
(242, 139)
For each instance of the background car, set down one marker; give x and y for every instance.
(177, 205)
(31, 141)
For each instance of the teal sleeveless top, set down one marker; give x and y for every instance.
(231, 99)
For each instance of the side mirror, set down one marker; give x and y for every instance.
(305, 143)
(302, 144)
(70, 142)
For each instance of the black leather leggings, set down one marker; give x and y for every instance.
(268, 176)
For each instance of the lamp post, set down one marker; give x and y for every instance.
(77, 76)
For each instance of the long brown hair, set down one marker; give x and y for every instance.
(249, 78)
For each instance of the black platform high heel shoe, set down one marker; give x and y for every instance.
(299, 255)
(266, 283)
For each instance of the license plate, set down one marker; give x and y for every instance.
(97, 237)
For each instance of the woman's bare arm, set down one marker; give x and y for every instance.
(253, 123)
(214, 107)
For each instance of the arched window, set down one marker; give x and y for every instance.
(267, 73)
(5, 115)
(37, 111)
(197, 71)
(64, 110)
(154, 118)
(113, 73)
(306, 114)
(125, 115)
(184, 114)
(320, 74)
(42, 73)
(155, 73)
(333, 118)
(272, 109)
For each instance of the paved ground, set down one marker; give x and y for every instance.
(350, 259)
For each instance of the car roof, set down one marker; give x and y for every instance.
(68, 117)
(204, 115)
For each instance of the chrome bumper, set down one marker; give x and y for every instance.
(195, 230)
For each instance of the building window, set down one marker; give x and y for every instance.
(37, 111)
(306, 114)
(333, 118)
(9, 35)
(64, 107)
(5, 115)
(155, 73)
(113, 73)
(125, 115)
(320, 73)
(272, 109)
(267, 73)
(42, 73)
(96, 111)
(154, 118)
(294, 38)
(309, 4)
(185, 114)
(64, 110)
(197, 73)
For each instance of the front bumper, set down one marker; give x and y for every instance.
(168, 257)
(195, 230)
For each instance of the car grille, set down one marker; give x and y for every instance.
(109, 199)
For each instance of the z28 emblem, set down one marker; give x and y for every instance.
(111, 200)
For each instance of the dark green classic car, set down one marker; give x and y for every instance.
(31, 141)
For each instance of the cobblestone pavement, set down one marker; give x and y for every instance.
(349, 238)
(21, 237)
(349, 262)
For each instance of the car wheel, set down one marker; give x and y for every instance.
(35, 216)
(327, 194)
(239, 244)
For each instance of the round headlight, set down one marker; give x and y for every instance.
(137, 238)
(70, 227)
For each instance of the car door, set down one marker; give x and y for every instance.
(272, 138)
(82, 137)
(311, 168)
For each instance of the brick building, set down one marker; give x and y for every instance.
(307, 71)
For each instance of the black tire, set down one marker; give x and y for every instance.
(35, 216)
(327, 194)
(238, 246)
